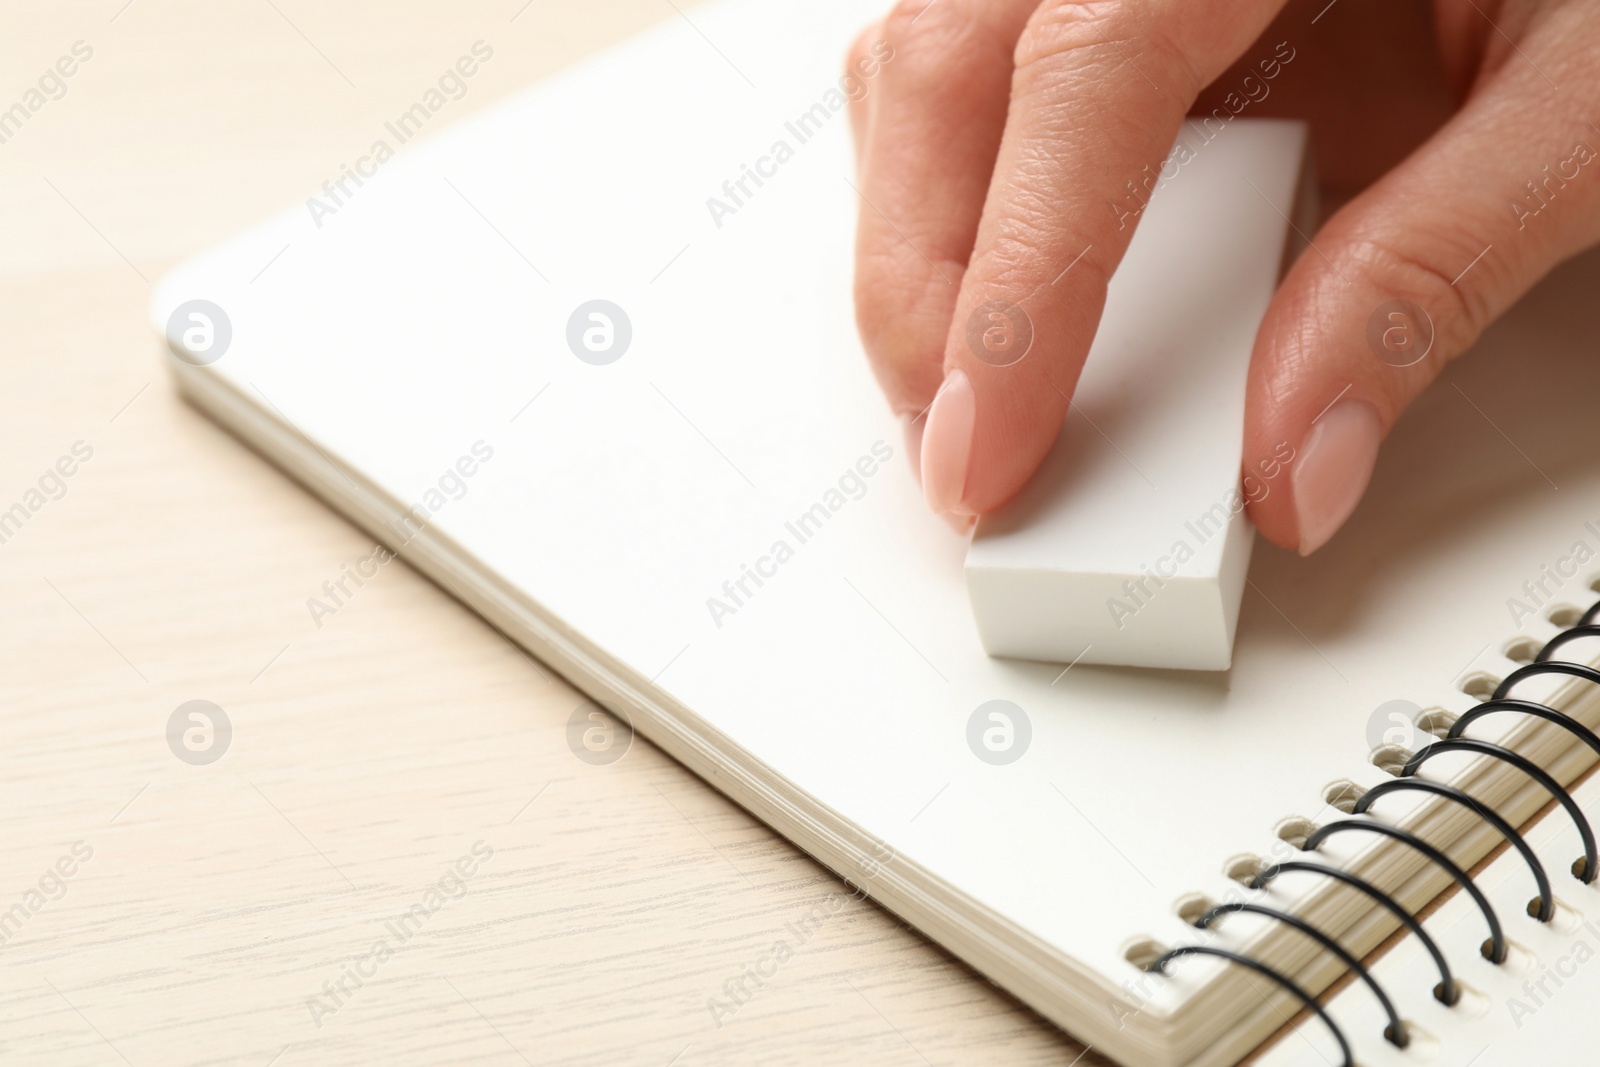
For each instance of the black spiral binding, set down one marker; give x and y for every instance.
(1586, 868)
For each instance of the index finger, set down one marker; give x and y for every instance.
(1098, 95)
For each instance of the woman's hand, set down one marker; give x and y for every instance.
(997, 143)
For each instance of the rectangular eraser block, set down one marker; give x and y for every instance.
(1130, 544)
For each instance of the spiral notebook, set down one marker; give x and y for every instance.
(427, 357)
(1536, 1008)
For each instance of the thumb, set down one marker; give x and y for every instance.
(1404, 279)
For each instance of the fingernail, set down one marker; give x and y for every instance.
(947, 443)
(961, 524)
(1335, 465)
(912, 426)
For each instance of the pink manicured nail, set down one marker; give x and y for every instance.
(1333, 470)
(912, 426)
(947, 443)
(961, 524)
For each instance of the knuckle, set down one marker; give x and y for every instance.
(1027, 249)
(1074, 32)
(902, 319)
(1066, 40)
(929, 33)
(1459, 312)
(877, 306)
(884, 300)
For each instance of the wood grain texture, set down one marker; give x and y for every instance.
(371, 752)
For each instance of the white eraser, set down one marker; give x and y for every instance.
(1130, 544)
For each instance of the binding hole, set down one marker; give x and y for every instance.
(1193, 906)
(1522, 650)
(1390, 759)
(1533, 909)
(1487, 950)
(1142, 952)
(1437, 721)
(1444, 997)
(1295, 830)
(1480, 686)
(1342, 795)
(1420, 1044)
(1243, 869)
(1470, 1002)
(1565, 615)
(1580, 867)
(1398, 1040)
